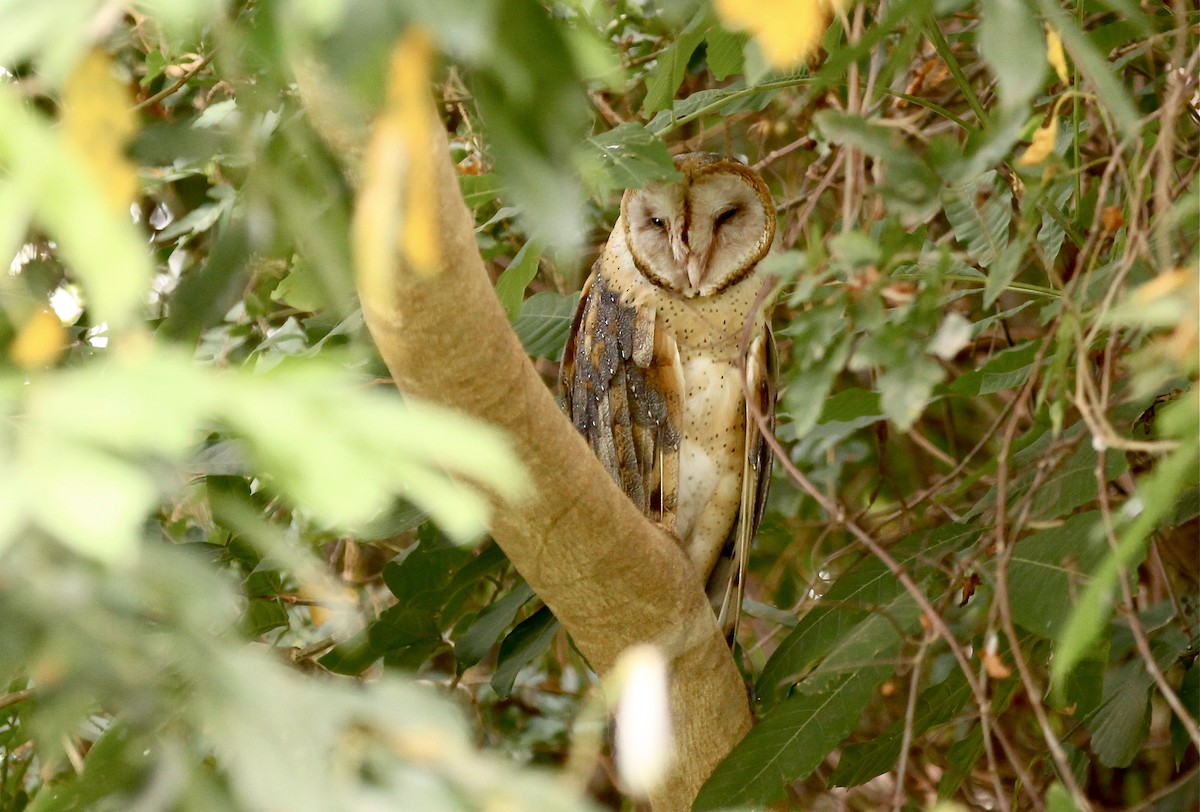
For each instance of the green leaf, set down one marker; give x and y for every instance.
(473, 644)
(735, 98)
(403, 627)
(632, 156)
(261, 616)
(909, 183)
(1003, 271)
(806, 394)
(478, 190)
(725, 52)
(117, 761)
(1006, 369)
(869, 642)
(964, 754)
(1121, 722)
(981, 227)
(523, 645)
(1059, 800)
(1051, 233)
(936, 705)
(419, 578)
(865, 586)
(791, 741)
(667, 74)
(511, 284)
(1070, 485)
(1014, 46)
(905, 391)
(1050, 567)
(1094, 65)
(1189, 695)
(302, 288)
(1155, 497)
(545, 322)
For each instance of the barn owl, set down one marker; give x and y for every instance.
(652, 371)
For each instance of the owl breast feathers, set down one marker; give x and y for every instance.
(652, 371)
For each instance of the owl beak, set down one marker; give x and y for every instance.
(695, 270)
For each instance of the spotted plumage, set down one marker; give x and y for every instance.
(652, 372)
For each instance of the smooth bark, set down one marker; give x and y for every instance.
(612, 577)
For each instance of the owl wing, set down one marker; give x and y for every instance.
(727, 585)
(623, 385)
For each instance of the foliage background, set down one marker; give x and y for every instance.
(220, 583)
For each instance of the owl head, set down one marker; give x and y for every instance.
(700, 235)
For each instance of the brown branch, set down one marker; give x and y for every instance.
(610, 576)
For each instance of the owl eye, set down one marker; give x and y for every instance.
(725, 216)
(658, 222)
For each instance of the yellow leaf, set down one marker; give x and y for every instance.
(788, 31)
(322, 598)
(399, 173)
(97, 122)
(1042, 144)
(1054, 54)
(40, 342)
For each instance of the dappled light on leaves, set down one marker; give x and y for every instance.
(788, 31)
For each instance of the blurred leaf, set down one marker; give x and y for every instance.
(787, 32)
(1156, 495)
(101, 245)
(908, 181)
(115, 762)
(530, 101)
(1095, 68)
(1012, 43)
(97, 122)
(40, 342)
(905, 391)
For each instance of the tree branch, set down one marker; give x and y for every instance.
(612, 577)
